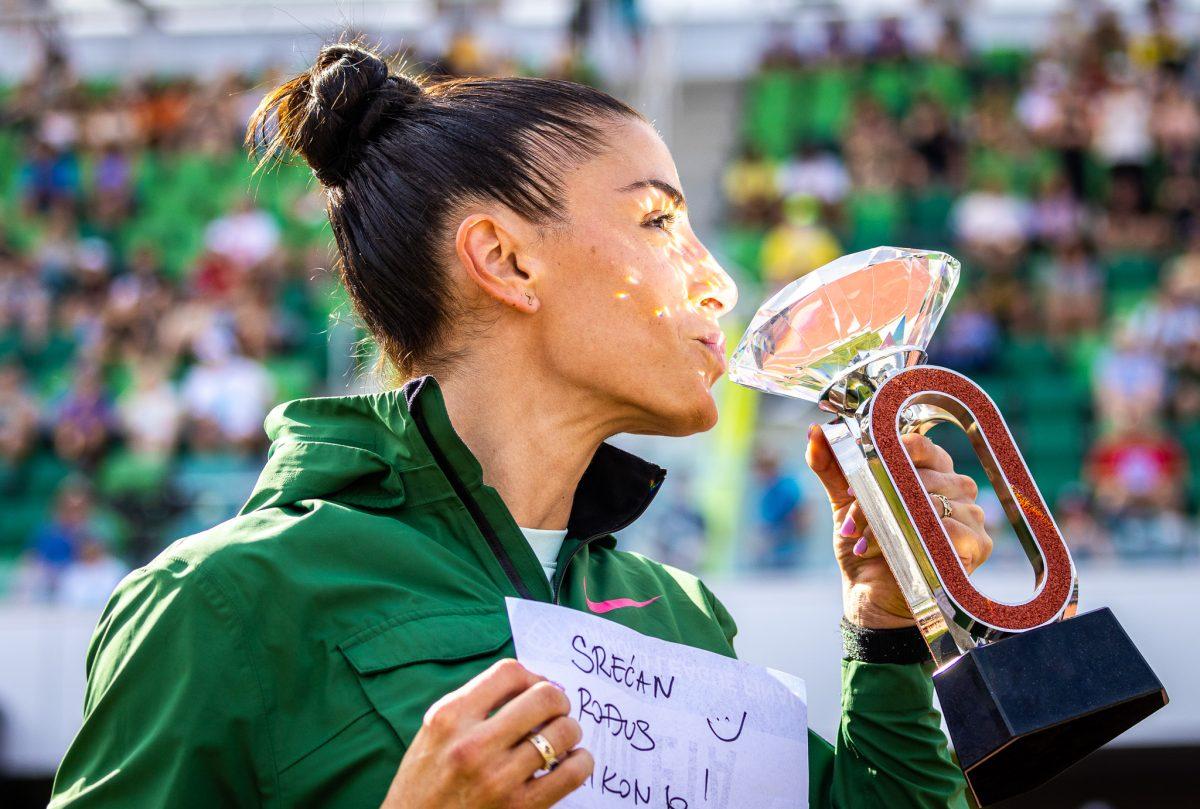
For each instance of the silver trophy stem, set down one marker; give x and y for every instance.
(897, 540)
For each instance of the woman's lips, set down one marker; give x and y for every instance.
(715, 346)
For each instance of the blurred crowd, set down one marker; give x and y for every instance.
(155, 301)
(157, 296)
(1065, 180)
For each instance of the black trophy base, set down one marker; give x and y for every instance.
(1023, 709)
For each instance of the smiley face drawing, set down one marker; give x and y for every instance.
(725, 729)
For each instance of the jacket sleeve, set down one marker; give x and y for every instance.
(890, 750)
(172, 709)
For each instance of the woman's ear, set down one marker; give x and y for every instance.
(490, 251)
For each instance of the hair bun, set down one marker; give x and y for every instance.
(327, 114)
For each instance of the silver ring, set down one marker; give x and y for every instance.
(947, 509)
(549, 756)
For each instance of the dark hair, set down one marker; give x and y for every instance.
(397, 155)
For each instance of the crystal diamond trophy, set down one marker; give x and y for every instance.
(1026, 689)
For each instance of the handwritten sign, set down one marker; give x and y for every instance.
(670, 726)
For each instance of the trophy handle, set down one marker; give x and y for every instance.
(919, 398)
(897, 539)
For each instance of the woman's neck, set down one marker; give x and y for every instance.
(533, 439)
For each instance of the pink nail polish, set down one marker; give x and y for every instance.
(848, 527)
(860, 547)
(849, 491)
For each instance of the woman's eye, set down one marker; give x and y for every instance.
(662, 221)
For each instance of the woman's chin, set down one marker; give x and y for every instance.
(699, 416)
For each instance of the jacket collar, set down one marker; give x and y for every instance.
(615, 489)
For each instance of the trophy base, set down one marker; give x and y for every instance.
(1023, 709)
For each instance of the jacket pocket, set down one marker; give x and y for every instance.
(405, 665)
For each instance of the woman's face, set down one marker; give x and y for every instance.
(628, 296)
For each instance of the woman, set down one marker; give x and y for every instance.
(521, 253)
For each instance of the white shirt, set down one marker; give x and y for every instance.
(546, 543)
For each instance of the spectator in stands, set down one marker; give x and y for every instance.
(1175, 121)
(890, 42)
(1160, 45)
(59, 543)
(951, 45)
(54, 256)
(138, 297)
(1122, 120)
(970, 339)
(781, 514)
(90, 580)
(226, 395)
(50, 177)
(84, 419)
(1169, 322)
(1138, 474)
(150, 413)
(1056, 215)
(1184, 406)
(25, 304)
(931, 134)
(1128, 223)
(1071, 290)
(992, 219)
(245, 237)
(1137, 467)
(781, 52)
(1178, 193)
(751, 187)
(798, 244)
(814, 172)
(837, 47)
(18, 415)
(1130, 380)
(1039, 106)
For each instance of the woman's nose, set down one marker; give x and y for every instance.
(711, 286)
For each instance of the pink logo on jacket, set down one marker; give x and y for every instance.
(608, 605)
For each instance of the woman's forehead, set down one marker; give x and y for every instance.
(636, 153)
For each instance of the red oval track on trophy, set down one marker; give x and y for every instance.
(1054, 591)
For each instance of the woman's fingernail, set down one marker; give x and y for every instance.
(860, 547)
(848, 527)
(849, 491)
(811, 427)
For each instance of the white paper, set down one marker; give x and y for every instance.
(669, 726)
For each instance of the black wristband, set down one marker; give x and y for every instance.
(903, 645)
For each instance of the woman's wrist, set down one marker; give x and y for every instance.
(861, 609)
(902, 645)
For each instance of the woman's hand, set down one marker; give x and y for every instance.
(465, 756)
(870, 595)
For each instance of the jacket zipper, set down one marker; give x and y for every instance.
(571, 557)
(484, 527)
(641, 509)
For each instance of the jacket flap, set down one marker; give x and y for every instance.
(449, 635)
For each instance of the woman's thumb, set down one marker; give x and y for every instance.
(821, 460)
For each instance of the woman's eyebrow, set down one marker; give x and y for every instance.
(662, 185)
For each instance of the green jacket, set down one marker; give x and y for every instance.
(286, 656)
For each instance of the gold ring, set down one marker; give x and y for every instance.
(545, 748)
(947, 509)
